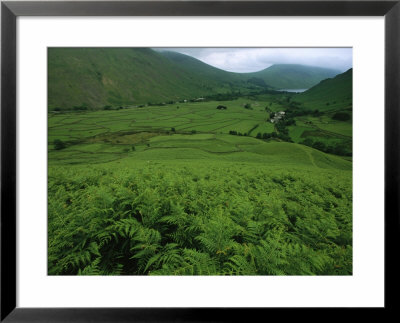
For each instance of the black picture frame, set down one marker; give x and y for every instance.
(10, 10)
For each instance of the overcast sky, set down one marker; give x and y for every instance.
(255, 59)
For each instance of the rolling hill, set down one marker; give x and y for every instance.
(202, 70)
(330, 93)
(293, 76)
(278, 76)
(96, 77)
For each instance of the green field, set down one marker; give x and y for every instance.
(162, 190)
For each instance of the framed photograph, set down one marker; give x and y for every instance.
(182, 160)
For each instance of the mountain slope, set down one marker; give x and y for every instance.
(330, 93)
(201, 69)
(95, 77)
(293, 76)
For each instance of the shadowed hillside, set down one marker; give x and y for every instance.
(293, 76)
(330, 93)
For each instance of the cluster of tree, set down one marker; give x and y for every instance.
(282, 136)
(221, 107)
(340, 149)
(283, 123)
(327, 103)
(248, 106)
(223, 96)
(108, 107)
(341, 116)
(297, 112)
(236, 133)
(294, 104)
(59, 144)
(151, 104)
(267, 135)
(80, 107)
(257, 81)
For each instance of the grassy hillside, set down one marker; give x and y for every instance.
(201, 69)
(293, 76)
(330, 94)
(95, 77)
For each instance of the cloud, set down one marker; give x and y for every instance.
(255, 59)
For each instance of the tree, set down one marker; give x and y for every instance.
(307, 142)
(58, 144)
(319, 145)
(290, 122)
(316, 113)
(340, 149)
(133, 148)
(341, 116)
(173, 129)
(80, 107)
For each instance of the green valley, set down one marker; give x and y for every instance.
(194, 170)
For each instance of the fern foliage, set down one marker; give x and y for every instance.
(159, 219)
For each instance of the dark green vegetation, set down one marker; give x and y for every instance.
(195, 217)
(202, 188)
(107, 78)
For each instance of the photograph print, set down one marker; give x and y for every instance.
(200, 161)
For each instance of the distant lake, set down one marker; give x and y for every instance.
(293, 90)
